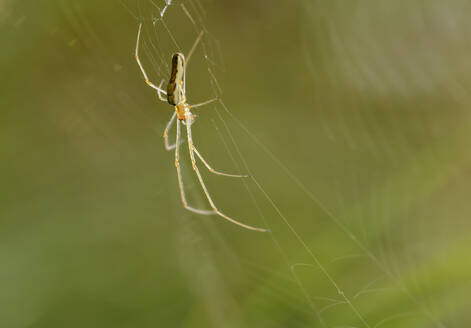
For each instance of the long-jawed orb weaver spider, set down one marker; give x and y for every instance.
(176, 96)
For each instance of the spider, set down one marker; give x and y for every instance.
(176, 96)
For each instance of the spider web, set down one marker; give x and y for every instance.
(352, 122)
(345, 270)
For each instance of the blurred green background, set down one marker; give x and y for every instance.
(359, 139)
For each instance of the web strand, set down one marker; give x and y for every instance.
(195, 15)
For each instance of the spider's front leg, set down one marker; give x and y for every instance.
(149, 83)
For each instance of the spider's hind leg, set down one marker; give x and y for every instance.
(213, 170)
(200, 178)
(180, 180)
(168, 127)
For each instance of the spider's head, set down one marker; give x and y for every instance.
(176, 88)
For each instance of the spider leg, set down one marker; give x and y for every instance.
(195, 168)
(213, 170)
(198, 39)
(204, 103)
(167, 130)
(159, 92)
(180, 180)
(149, 83)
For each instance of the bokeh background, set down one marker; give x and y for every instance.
(352, 117)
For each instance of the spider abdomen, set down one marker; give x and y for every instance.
(176, 87)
